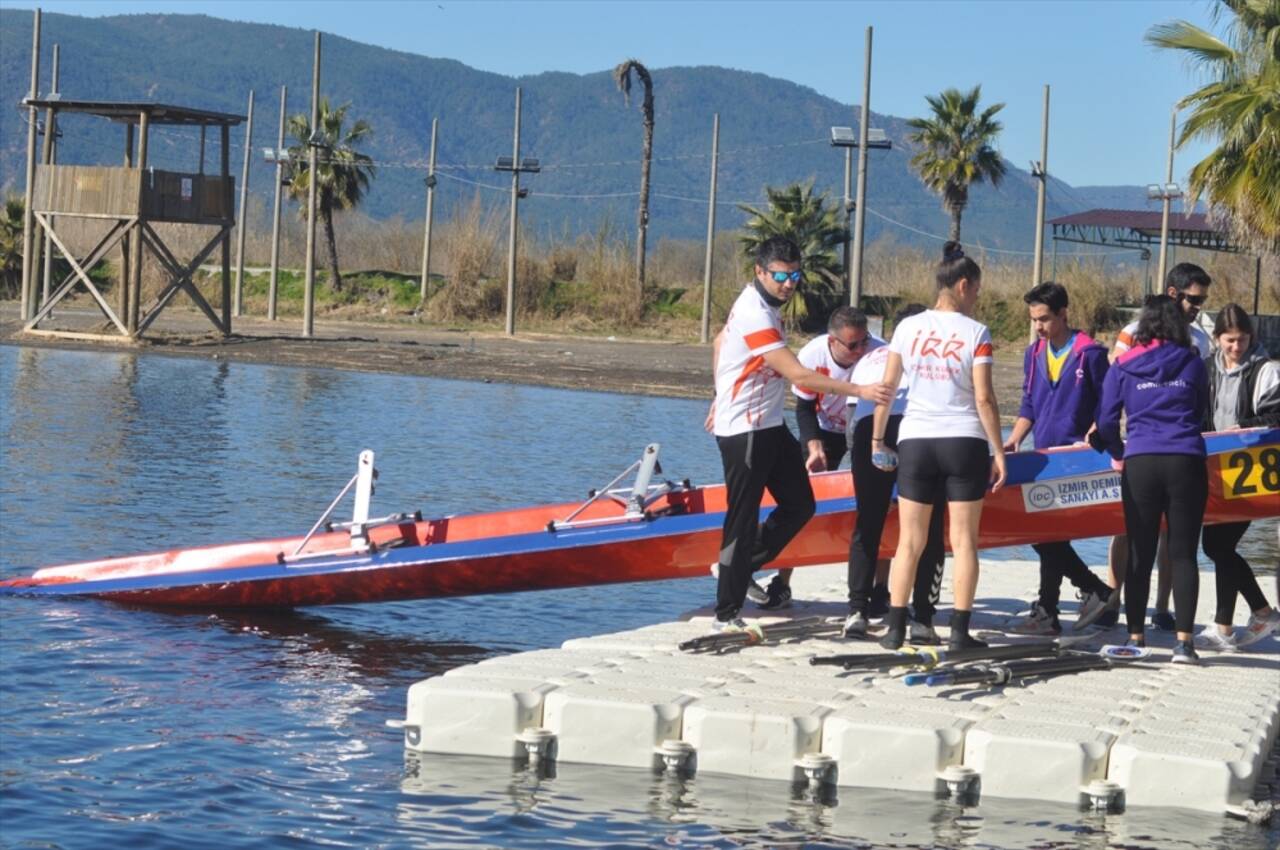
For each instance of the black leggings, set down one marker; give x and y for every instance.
(1059, 560)
(1175, 488)
(1231, 573)
(753, 462)
(873, 489)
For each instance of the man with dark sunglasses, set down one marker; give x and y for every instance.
(752, 366)
(1188, 284)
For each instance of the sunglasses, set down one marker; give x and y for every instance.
(783, 277)
(847, 347)
(1194, 300)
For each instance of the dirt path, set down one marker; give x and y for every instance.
(644, 367)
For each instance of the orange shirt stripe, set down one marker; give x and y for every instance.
(759, 339)
(983, 350)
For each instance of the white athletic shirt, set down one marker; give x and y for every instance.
(870, 370)
(939, 350)
(816, 355)
(749, 395)
(1200, 339)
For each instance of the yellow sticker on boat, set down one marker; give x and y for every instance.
(1251, 473)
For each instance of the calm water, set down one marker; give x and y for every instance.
(134, 727)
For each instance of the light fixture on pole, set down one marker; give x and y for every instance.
(844, 137)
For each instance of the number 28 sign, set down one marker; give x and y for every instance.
(1250, 473)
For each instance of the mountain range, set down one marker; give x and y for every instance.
(587, 138)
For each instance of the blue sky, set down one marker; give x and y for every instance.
(1111, 93)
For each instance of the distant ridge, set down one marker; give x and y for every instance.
(772, 131)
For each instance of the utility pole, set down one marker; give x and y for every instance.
(50, 156)
(244, 198)
(426, 228)
(28, 217)
(847, 206)
(1167, 196)
(860, 211)
(515, 165)
(1040, 171)
(309, 290)
(711, 231)
(275, 212)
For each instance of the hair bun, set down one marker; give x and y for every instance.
(952, 251)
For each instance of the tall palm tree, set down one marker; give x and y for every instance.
(622, 76)
(806, 219)
(1240, 109)
(343, 173)
(955, 148)
(11, 245)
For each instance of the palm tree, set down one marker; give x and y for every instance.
(11, 245)
(344, 173)
(818, 229)
(1240, 109)
(955, 148)
(622, 76)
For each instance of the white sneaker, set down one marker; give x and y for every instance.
(1093, 606)
(1259, 628)
(1038, 622)
(855, 626)
(1215, 641)
(726, 627)
(756, 593)
(715, 570)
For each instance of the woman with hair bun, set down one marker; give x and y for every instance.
(1160, 384)
(944, 358)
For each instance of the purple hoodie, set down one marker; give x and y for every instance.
(1164, 390)
(1061, 414)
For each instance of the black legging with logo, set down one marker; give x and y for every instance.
(753, 462)
(1173, 487)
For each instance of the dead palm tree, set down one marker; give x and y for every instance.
(622, 76)
(1239, 109)
(343, 173)
(955, 148)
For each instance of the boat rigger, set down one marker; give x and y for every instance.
(654, 529)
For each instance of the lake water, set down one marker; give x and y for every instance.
(132, 727)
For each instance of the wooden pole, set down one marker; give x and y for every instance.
(848, 224)
(126, 250)
(50, 157)
(202, 142)
(309, 290)
(275, 212)
(1158, 284)
(228, 199)
(711, 232)
(241, 219)
(1042, 190)
(511, 236)
(431, 198)
(135, 265)
(860, 211)
(28, 219)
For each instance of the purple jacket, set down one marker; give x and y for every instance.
(1062, 414)
(1165, 391)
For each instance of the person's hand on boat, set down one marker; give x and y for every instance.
(883, 458)
(1011, 446)
(817, 460)
(1117, 464)
(999, 471)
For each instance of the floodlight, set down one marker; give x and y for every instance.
(504, 163)
(530, 165)
(843, 137)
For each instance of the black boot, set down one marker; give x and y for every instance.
(960, 638)
(896, 635)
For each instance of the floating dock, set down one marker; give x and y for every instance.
(1149, 733)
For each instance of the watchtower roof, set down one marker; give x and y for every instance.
(130, 112)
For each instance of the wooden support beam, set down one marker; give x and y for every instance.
(227, 202)
(84, 278)
(125, 249)
(91, 259)
(135, 297)
(180, 275)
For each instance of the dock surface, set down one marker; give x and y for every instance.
(1195, 737)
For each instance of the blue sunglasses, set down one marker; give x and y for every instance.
(783, 277)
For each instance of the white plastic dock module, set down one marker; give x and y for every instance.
(458, 714)
(753, 737)
(602, 724)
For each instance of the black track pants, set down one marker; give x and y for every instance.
(753, 462)
(874, 489)
(1175, 488)
(1232, 573)
(1057, 561)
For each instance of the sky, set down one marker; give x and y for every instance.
(1111, 93)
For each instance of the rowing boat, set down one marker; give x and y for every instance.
(654, 529)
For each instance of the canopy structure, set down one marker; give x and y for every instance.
(1140, 229)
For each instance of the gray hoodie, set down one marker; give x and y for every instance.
(1226, 385)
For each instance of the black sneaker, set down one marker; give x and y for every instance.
(1162, 621)
(879, 605)
(778, 596)
(855, 625)
(1185, 653)
(964, 640)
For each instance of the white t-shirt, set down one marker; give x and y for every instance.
(749, 395)
(870, 370)
(939, 350)
(1200, 339)
(816, 355)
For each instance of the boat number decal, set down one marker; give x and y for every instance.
(1077, 491)
(1251, 472)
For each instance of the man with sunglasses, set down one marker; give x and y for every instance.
(1188, 284)
(752, 366)
(821, 417)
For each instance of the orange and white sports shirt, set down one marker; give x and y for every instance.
(939, 350)
(749, 395)
(833, 413)
(1200, 339)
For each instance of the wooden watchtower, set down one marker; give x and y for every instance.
(133, 197)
